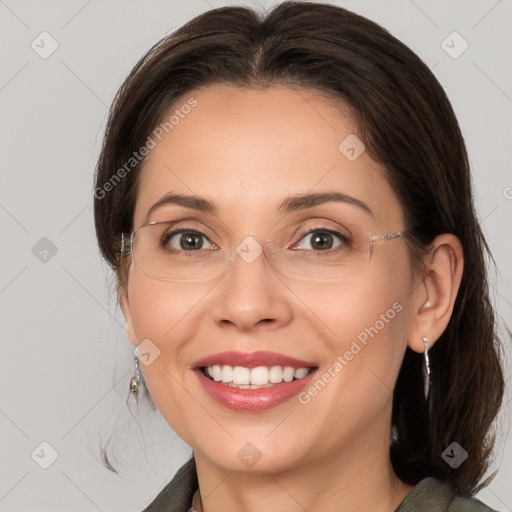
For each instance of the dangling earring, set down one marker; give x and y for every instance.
(135, 380)
(426, 370)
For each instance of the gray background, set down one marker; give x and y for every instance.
(65, 361)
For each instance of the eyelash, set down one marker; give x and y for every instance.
(344, 239)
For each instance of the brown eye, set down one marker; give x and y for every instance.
(322, 240)
(185, 240)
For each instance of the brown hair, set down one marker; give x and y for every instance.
(407, 124)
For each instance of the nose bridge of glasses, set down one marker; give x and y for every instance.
(251, 248)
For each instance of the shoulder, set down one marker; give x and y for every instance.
(176, 496)
(432, 494)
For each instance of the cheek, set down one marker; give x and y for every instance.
(159, 309)
(368, 324)
(167, 315)
(375, 318)
(360, 309)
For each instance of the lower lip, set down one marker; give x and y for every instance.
(252, 399)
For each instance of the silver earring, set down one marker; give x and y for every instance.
(426, 370)
(135, 380)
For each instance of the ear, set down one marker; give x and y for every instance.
(434, 297)
(127, 313)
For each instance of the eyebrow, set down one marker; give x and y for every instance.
(301, 202)
(288, 205)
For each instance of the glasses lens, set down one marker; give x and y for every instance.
(327, 257)
(161, 252)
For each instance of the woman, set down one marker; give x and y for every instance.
(286, 203)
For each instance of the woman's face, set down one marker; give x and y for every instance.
(246, 151)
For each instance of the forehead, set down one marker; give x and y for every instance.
(246, 149)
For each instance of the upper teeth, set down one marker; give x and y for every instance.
(259, 376)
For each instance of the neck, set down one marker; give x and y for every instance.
(358, 477)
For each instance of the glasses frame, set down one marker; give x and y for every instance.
(127, 245)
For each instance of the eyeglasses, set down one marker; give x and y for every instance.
(161, 252)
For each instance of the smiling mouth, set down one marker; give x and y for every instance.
(242, 377)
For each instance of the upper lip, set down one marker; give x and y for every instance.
(251, 360)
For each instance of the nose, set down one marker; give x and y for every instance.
(251, 296)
